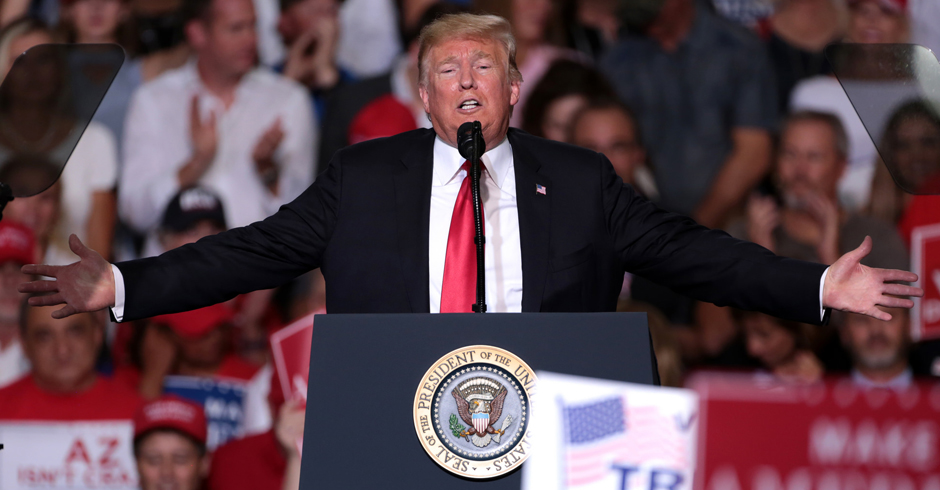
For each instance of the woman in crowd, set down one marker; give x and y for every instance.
(559, 95)
(781, 346)
(911, 145)
(870, 21)
(37, 120)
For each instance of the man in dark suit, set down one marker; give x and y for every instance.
(381, 223)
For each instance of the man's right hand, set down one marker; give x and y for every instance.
(86, 285)
(205, 141)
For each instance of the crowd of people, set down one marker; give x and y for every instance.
(226, 109)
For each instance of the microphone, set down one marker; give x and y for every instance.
(471, 146)
(470, 142)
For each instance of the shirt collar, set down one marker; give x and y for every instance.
(191, 78)
(447, 162)
(901, 381)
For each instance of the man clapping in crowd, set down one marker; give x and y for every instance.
(243, 131)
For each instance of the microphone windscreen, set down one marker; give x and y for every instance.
(465, 140)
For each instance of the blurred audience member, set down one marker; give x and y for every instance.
(563, 91)
(782, 347)
(41, 212)
(194, 343)
(369, 42)
(750, 13)
(870, 21)
(170, 445)
(796, 34)
(11, 10)
(266, 461)
(245, 132)
(806, 221)
(383, 117)
(600, 15)
(35, 123)
(63, 384)
(879, 349)
(17, 248)
(310, 29)
(194, 213)
(609, 127)
(703, 92)
(809, 223)
(911, 146)
(347, 101)
(537, 27)
(107, 21)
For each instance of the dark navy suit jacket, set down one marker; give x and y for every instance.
(365, 222)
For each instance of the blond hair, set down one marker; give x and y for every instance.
(467, 26)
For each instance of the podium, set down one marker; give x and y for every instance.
(366, 370)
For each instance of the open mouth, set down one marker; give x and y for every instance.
(469, 105)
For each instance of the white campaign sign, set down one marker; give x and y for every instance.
(596, 434)
(67, 455)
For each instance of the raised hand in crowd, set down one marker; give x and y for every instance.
(311, 59)
(263, 155)
(290, 431)
(826, 213)
(854, 287)
(763, 217)
(205, 141)
(86, 285)
(158, 355)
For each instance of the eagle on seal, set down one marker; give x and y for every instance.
(480, 405)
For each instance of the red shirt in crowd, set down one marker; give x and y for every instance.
(923, 210)
(254, 462)
(105, 400)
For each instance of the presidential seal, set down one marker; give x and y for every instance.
(471, 411)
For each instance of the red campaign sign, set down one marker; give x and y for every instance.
(291, 350)
(829, 436)
(925, 262)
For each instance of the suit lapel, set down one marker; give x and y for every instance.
(412, 182)
(534, 221)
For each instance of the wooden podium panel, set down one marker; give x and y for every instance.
(365, 370)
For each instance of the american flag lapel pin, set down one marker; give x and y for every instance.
(540, 189)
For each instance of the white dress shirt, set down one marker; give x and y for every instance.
(503, 251)
(158, 143)
(501, 224)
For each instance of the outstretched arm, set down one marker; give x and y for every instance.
(262, 255)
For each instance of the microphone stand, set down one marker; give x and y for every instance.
(479, 146)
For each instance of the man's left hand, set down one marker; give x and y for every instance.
(851, 286)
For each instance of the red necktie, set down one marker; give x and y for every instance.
(459, 290)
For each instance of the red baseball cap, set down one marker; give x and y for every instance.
(196, 323)
(894, 5)
(171, 412)
(17, 243)
(384, 116)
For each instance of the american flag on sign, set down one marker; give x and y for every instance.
(539, 188)
(610, 431)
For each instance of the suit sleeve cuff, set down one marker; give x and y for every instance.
(117, 311)
(822, 285)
